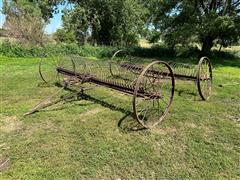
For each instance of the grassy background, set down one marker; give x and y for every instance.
(89, 137)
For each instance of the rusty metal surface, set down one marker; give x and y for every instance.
(88, 78)
(200, 74)
(4, 164)
(157, 78)
(204, 78)
(151, 86)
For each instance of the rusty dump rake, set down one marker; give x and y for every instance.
(201, 74)
(152, 86)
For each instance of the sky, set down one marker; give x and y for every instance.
(2, 17)
(55, 22)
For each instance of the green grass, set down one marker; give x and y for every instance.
(89, 137)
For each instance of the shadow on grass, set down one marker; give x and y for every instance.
(127, 123)
(185, 93)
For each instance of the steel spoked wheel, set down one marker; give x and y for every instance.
(114, 64)
(68, 63)
(204, 78)
(47, 69)
(153, 94)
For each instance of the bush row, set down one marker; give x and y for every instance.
(17, 50)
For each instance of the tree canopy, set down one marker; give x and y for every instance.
(107, 21)
(207, 22)
(122, 22)
(64, 36)
(23, 21)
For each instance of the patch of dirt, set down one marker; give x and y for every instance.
(10, 124)
(47, 125)
(208, 131)
(190, 125)
(90, 113)
(234, 118)
(159, 131)
(2, 145)
(168, 130)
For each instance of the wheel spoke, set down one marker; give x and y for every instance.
(154, 79)
(204, 80)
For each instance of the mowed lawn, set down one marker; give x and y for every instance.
(90, 137)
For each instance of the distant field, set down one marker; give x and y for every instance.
(235, 49)
(232, 48)
(85, 139)
(144, 43)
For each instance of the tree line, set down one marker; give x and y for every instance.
(123, 22)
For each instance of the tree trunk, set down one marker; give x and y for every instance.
(207, 44)
(220, 48)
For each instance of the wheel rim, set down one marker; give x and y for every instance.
(204, 78)
(67, 62)
(114, 64)
(114, 68)
(159, 88)
(47, 69)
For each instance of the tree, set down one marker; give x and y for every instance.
(207, 22)
(23, 21)
(2, 32)
(106, 21)
(48, 7)
(61, 35)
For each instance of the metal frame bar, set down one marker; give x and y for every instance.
(153, 72)
(126, 88)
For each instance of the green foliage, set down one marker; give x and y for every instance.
(123, 22)
(153, 52)
(206, 22)
(17, 50)
(87, 50)
(48, 8)
(63, 36)
(23, 21)
(108, 22)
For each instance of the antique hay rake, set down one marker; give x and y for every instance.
(201, 73)
(151, 86)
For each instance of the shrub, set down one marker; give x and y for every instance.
(154, 52)
(17, 50)
(157, 51)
